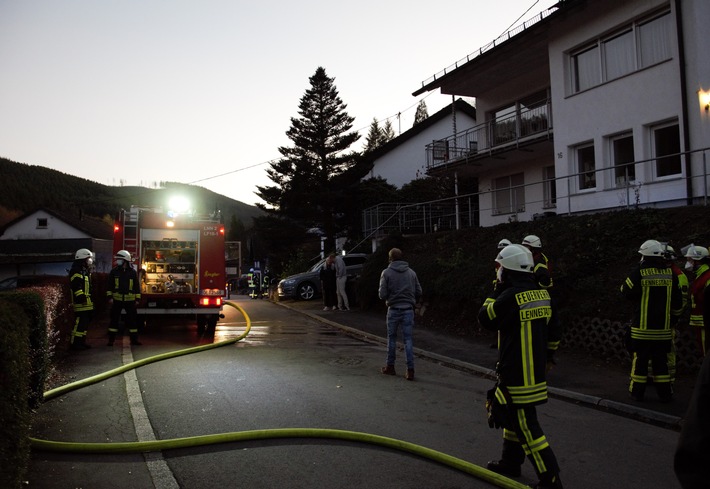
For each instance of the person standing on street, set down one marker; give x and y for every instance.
(328, 283)
(698, 262)
(80, 282)
(123, 291)
(653, 288)
(519, 310)
(401, 291)
(341, 279)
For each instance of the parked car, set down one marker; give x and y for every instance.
(306, 286)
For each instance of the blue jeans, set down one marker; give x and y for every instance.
(395, 319)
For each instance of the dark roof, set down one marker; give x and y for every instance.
(500, 50)
(460, 105)
(93, 226)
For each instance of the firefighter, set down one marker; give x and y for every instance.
(80, 282)
(123, 291)
(653, 288)
(683, 285)
(520, 310)
(698, 262)
(543, 276)
(542, 269)
(265, 284)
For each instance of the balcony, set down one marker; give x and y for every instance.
(526, 123)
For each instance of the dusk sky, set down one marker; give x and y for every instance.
(203, 91)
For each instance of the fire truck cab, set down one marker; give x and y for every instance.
(180, 259)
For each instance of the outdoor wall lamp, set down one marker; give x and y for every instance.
(704, 98)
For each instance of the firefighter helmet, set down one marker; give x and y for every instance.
(83, 254)
(123, 255)
(532, 241)
(696, 253)
(516, 257)
(503, 243)
(652, 247)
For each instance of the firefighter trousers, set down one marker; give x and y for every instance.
(524, 437)
(131, 316)
(655, 352)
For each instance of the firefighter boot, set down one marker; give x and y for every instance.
(134, 339)
(554, 483)
(111, 338)
(637, 391)
(665, 391)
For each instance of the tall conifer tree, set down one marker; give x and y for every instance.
(306, 177)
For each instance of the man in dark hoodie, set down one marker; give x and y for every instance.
(401, 291)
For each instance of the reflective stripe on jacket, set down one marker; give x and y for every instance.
(123, 285)
(520, 313)
(80, 281)
(653, 287)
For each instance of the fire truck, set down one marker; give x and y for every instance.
(180, 258)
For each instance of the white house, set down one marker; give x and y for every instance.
(43, 242)
(590, 105)
(401, 159)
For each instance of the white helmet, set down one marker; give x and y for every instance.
(532, 241)
(696, 253)
(652, 247)
(516, 257)
(83, 254)
(123, 255)
(503, 243)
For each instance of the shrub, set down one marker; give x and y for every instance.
(14, 393)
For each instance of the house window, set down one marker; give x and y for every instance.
(440, 150)
(633, 47)
(619, 57)
(666, 150)
(586, 69)
(509, 194)
(654, 35)
(622, 154)
(41, 223)
(504, 125)
(586, 167)
(549, 188)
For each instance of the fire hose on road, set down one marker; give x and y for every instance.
(280, 433)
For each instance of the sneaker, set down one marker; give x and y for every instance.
(504, 468)
(334, 308)
(326, 308)
(388, 370)
(410, 374)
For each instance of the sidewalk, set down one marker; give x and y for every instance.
(578, 377)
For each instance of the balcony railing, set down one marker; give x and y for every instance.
(526, 123)
(465, 211)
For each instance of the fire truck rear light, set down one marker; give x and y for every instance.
(205, 301)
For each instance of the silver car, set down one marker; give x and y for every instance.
(306, 286)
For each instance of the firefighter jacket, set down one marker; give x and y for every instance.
(80, 282)
(123, 284)
(683, 285)
(653, 287)
(542, 272)
(520, 311)
(699, 314)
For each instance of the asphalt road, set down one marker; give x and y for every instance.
(295, 372)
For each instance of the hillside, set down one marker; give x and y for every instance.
(26, 187)
(590, 254)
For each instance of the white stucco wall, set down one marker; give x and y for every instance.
(27, 228)
(633, 103)
(407, 161)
